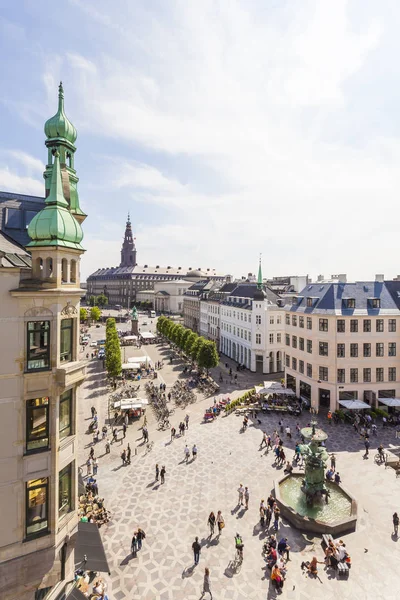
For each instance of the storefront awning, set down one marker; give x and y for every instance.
(89, 550)
(354, 404)
(390, 401)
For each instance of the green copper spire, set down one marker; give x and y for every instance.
(59, 126)
(259, 278)
(54, 225)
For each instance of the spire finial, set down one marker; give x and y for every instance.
(129, 217)
(60, 97)
(259, 278)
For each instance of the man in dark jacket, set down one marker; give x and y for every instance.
(196, 551)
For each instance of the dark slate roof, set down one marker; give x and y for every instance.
(248, 291)
(13, 254)
(25, 206)
(393, 287)
(329, 298)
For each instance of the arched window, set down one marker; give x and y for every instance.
(64, 271)
(73, 271)
(39, 267)
(49, 267)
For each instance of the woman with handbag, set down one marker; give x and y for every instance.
(220, 522)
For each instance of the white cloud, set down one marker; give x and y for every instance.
(31, 163)
(80, 62)
(11, 182)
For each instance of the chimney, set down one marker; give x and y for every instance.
(380, 277)
(342, 278)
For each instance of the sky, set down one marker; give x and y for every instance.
(227, 128)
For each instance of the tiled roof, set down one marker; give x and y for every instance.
(330, 298)
(12, 254)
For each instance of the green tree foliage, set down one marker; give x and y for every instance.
(160, 324)
(191, 339)
(185, 334)
(178, 332)
(102, 300)
(95, 313)
(83, 314)
(196, 347)
(92, 300)
(113, 350)
(207, 357)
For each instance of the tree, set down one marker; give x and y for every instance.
(191, 339)
(161, 324)
(196, 347)
(95, 313)
(83, 314)
(92, 300)
(113, 350)
(185, 334)
(102, 300)
(207, 357)
(178, 332)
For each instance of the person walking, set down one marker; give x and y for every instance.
(396, 524)
(95, 466)
(277, 514)
(157, 472)
(134, 543)
(263, 441)
(128, 455)
(366, 444)
(220, 522)
(187, 454)
(333, 462)
(115, 435)
(206, 583)
(241, 494)
(246, 497)
(140, 535)
(162, 474)
(124, 429)
(89, 466)
(196, 550)
(108, 448)
(91, 453)
(194, 452)
(93, 411)
(173, 432)
(123, 456)
(211, 523)
(268, 516)
(187, 421)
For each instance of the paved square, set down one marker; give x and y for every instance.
(174, 513)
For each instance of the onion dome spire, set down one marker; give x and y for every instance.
(54, 225)
(60, 126)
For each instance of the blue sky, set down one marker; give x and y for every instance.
(226, 127)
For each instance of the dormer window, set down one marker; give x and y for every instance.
(349, 302)
(375, 302)
(310, 302)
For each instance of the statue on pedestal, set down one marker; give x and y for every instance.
(134, 321)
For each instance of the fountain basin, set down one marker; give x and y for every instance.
(337, 517)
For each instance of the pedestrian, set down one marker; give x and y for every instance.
(157, 472)
(91, 454)
(288, 432)
(396, 524)
(366, 444)
(162, 474)
(241, 494)
(263, 441)
(93, 411)
(128, 455)
(187, 453)
(268, 516)
(134, 543)
(246, 497)
(124, 429)
(187, 421)
(220, 522)
(95, 466)
(337, 478)
(283, 547)
(206, 583)
(194, 452)
(123, 456)
(262, 514)
(196, 550)
(277, 514)
(108, 449)
(89, 466)
(173, 432)
(333, 462)
(140, 535)
(211, 522)
(115, 435)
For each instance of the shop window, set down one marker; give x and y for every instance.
(38, 350)
(37, 424)
(66, 340)
(65, 491)
(36, 518)
(66, 414)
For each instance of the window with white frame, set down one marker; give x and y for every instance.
(258, 338)
(271, 338)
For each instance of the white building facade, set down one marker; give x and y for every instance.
(341, 342)
(252, 328)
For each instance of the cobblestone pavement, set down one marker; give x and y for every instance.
(174, 513)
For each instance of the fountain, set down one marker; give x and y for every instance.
(308, 500)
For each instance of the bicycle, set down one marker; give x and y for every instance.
(380, 458)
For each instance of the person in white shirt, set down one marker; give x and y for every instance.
(241, 494)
